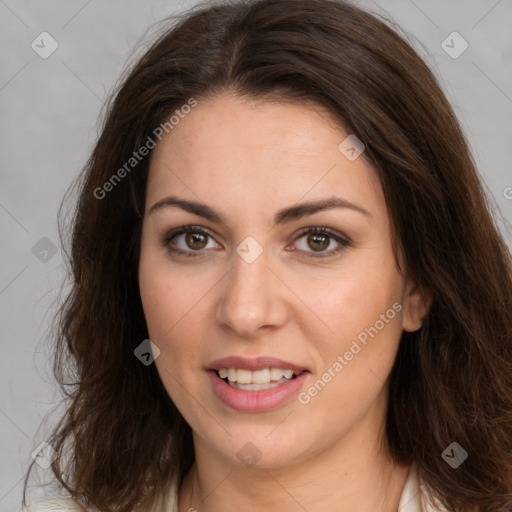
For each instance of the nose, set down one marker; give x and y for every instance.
(253, 300)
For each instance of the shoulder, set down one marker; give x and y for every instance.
(58, 504)
(166, 503)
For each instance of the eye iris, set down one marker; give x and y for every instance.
(323, 240)
(195, 238)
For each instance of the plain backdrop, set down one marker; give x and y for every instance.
(49, 111)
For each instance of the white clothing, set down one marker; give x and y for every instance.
(409, 500)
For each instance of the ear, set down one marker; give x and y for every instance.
(416, 305)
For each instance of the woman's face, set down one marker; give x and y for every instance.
(255, 286)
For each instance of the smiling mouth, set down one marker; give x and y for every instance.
(263, 389)
(258, 380)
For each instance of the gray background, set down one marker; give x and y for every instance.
(49, 112)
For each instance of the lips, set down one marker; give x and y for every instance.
(255, 401)
(258, 363)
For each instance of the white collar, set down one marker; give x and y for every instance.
(411, 499)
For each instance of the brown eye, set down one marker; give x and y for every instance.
(196, 240)
(189, 241)
(318, 242)
(318, 239)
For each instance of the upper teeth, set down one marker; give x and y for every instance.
(262, 376)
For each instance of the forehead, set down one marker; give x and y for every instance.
(258, 152)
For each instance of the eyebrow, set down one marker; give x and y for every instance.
(281, 217)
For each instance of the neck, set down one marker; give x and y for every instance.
(356, 474)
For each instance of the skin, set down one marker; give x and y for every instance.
(247, 160)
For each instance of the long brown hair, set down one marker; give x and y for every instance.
(452, 379)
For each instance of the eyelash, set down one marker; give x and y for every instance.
(344, 242)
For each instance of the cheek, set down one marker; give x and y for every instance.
(175, 303)
(368, 337)
(358, 317)
(170, 296)
(172, 309)
(158, 299)
(352, 301)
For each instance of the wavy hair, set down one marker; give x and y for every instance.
(122, 438)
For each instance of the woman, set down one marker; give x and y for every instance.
(289, 292)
